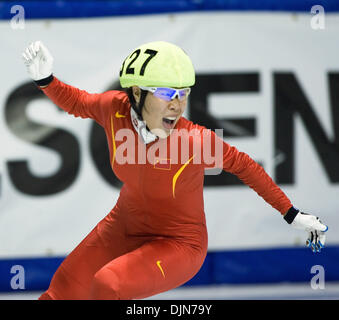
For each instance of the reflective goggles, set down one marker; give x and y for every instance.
(168, 94)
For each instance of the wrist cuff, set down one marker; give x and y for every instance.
(290, 215)
(45, 81)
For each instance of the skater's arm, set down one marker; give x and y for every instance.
(39, 63)
(78, 102)
(253, 175)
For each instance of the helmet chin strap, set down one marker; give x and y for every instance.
(138, 106)
(141, 128)
(137, 112)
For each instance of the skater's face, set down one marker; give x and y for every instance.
(161, 116)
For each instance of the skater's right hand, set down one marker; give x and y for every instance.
(39, 62)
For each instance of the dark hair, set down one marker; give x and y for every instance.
(137, 107)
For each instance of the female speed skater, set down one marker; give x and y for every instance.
(155, 237)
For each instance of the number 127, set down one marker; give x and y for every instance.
(136, 53)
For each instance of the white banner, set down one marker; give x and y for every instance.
(281, 53)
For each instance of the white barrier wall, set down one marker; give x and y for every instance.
(88, 54)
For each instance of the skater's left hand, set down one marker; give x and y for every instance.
(311, 224)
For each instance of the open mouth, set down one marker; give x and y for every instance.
(168, 122)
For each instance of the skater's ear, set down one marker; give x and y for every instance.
(136, 94)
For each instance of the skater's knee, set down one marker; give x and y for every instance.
(105, 285)
(46, 296)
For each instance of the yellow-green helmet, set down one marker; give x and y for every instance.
(157, 64)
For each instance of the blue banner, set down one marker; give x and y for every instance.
(84, 9)
(220, 267)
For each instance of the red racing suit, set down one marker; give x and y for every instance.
(155, 237)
